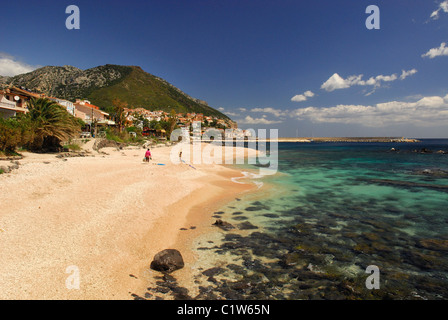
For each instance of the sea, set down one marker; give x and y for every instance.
(336, 221)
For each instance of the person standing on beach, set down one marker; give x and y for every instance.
(148, 155)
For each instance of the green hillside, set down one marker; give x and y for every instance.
(143, 90)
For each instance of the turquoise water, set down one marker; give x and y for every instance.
(332, 210)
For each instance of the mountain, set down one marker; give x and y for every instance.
(100, 85)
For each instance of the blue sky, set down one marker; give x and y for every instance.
(307, 68)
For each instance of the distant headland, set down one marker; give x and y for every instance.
(348, 139)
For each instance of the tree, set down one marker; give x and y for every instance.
(153, 124)
(145, 123)
(172, 120)
(119, 115)
(50, 124)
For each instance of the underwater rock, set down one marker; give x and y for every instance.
(377, 224)
(232, 237)
(434, 244)
(425, 261)
(223, 225)
(270, 215)
(236, 268)
(379, 246)
(240, 218)
(371, 236)
(293, 259)
(253, 208)
(246, 226)
(438, 173)
(303, 228)
(409, 184)
(363, 248)
(213, 271)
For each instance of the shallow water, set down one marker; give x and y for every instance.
(332, 210)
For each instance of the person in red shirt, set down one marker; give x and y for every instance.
(148, 155)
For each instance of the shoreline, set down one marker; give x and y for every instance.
(108, 215)
(198, 223)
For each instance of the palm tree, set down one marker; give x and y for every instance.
(51, 124)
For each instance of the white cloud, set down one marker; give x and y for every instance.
(406, 74)
(275, 112)
(228, 113)
(443, 6)
(9, 66)
(425, 112)
(262, 120)
(302, 97)
(436, 52)
(336, 82)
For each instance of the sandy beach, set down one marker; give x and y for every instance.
(106, 215)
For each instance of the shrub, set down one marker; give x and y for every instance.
(13, 134)
(44, 128)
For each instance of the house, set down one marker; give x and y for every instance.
(15, 100)
(8, 108)
(90, 113)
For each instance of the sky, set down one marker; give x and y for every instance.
(306, 68)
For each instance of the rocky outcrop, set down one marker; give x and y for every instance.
(168, 260)
(68, 82)
(8, 168)
(104, 143)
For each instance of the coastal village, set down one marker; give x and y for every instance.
(14, 100)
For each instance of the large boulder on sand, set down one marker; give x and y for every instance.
(168, 261)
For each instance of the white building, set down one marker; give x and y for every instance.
(69, 106)
(8, 108)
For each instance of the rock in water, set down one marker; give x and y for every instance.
(168, 261)
(223, 225)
